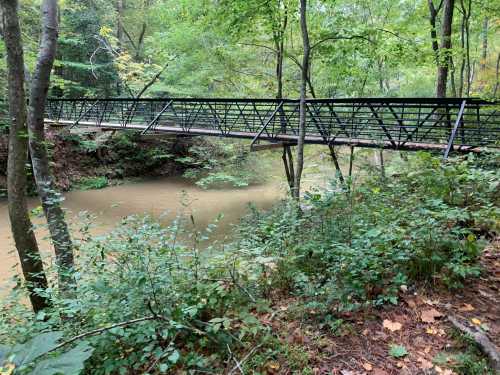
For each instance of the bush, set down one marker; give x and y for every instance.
(194, 306)
(424, 223)
(218, 164)
(161, 301)
(90, 183)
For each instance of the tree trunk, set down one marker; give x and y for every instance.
(303, 94)
(484, 52)
(433, 12)
(497, 77)
(51, 199)
(444, 55)
(120, 7)
(22, 229)
(467, 15)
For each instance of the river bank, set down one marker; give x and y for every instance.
(95, 160)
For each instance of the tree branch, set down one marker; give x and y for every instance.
(103, 329)
(260, 45)
(341, 37)
(152, 81)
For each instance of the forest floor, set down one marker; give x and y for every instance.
(418, 330)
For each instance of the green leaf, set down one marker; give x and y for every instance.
(38, 346)
(69, 363)
(174, 357)
(163, 368)
(398, 351)
(4, 352)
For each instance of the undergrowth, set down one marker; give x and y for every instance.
(351, 246)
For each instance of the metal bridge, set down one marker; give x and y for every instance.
(464, 125)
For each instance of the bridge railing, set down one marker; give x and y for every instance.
(397, 122)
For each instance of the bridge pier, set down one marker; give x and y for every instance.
(288, 163)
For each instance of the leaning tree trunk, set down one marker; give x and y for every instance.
(303, 104)
(444, 55)
(22, 229)
(50, 198)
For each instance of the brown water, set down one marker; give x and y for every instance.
(157, 197)
(163, 198)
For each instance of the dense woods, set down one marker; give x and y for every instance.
(254, 48)
(390, 269)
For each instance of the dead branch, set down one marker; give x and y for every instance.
(483, 342)
(103, 329)
(151, 82)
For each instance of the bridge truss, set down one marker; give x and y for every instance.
(464, 125)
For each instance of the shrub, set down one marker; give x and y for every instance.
(90, 183)
(425, 223)
(218, 164)
(193, 304)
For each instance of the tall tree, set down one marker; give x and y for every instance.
(49, 196)
(445, 49)
(433, 14)
(22, 229)
(303, 95)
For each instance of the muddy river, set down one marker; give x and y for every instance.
(162, 198)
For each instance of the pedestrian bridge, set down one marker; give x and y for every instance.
(463, 125)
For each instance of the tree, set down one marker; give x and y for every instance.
(21, 226)
(445, 49)
(303, 95)
(51, 199)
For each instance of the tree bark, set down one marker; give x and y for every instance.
(51, 199)
(120, 7)
(433, 13)
(303, 94)
(484, 51)
(444, 55)
(497, 76)
(22, 229)
(465, 67)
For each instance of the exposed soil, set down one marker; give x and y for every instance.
(420, 323)
(112, 155)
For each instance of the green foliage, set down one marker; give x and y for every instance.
(141, 269)
(217, 164)
(361, 245)
(91, 183)
(398, 351)
(33, 356)
(350, 247)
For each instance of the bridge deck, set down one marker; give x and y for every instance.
(411, 124)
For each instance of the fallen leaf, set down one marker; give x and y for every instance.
(425, 364)
(429, 316)
(466, 307)
(378, 371)
(273, 365)
(392, 326)
(367, 366)
(431, 331)
(411, 303)
(476, 321)
(430, 302)
(427, 349)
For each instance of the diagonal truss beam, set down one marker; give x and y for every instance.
(392, 123)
